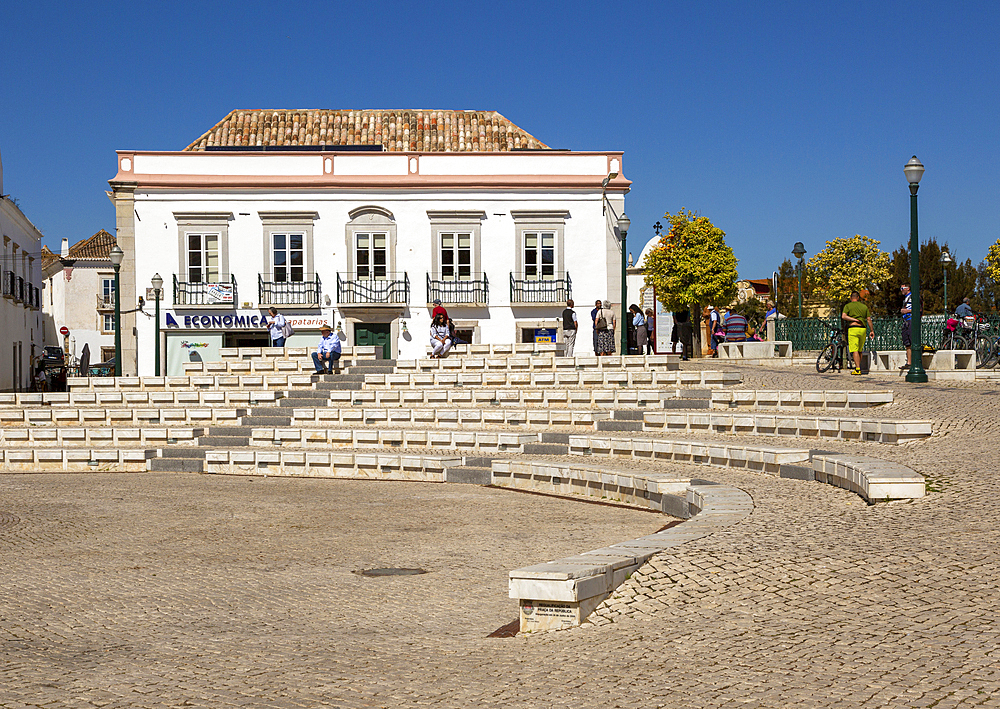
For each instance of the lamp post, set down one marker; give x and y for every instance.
(914, 171)
(116, 260)
(157, 289)
(623, 224)
(798, 251)
(945, 260)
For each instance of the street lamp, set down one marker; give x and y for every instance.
(945, 260)
(914, 171)
(798, 251)
(623, 224)
(157, 289)
(116, 260)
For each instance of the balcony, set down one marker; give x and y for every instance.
(19, 290)
(36, 296)
(472, 292)
(528, 291)
(394, 289)
(9, 284)
(306, 292)
(106, 302)
(221, 294)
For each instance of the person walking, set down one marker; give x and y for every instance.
(327, 352)
(683, 334)
(606, 323)
(570, 326)
(907, 312)
(440, 337)
(639, 323)
(593, 319)
(650, 330)
(714, 327)
(275, 327)
(854, 317)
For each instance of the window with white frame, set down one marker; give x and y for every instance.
(540, 243)
(202, 258)
(539, 255)
(456, 255)
(371, 255)
(108, 322)
(288, 257)
(108, 291)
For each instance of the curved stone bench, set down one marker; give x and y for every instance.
(775, 399)
(446, 416)
(874, 480)
(541, 396)
(325, 438)
(563, 592)
(834, 427)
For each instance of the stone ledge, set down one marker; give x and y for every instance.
(363, 466)
(874, 480)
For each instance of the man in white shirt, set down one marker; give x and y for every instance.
(275, 327)
(327, 352)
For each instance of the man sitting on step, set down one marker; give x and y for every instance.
(327, 352)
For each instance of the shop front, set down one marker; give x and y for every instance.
(198, 336)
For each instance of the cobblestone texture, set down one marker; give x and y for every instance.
(170, 590)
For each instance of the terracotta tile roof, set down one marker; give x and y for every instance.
(48, 257)
(98, 247)
(396, 130)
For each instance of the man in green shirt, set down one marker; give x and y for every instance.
(854, 316)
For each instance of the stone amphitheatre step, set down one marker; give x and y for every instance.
(874, 480)
(556, 397)
(141, 398)
(325, 438)
(119, 416)
(767, 459)
(827, 399)
(98, 436)
(834, 427)
(348, 353)
(211, 382)
(549, 379)
(80, 460)
(285, 366)
(442, 416)
(369, 466)
(541, 363)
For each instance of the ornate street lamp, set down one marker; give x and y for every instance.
(117, 255)
(945, 260)
(798, 251)
(914, 171)
(157, 289)
(623, 224)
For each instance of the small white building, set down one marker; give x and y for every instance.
(361, 219)
(20, 280)
(79, 295)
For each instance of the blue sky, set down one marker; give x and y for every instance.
(779, 121)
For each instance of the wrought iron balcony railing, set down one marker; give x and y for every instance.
(472, 292)
(555, 290)
(19, 290)
(9, 284)
(106, 302)
(222, 294)
(304, 292)
(393, 290)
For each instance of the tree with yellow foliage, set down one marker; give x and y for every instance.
(847, 264)
(993, 262)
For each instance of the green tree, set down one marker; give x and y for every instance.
(847, 264)
(691, 266)
(887, 299)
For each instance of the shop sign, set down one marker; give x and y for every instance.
(239, 320)
(545, 334)
(220, 293)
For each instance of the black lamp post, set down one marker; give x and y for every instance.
(116, 260)
(914, 171)
(798, 251)
(945, 260)
(623, 224)
(157, 289)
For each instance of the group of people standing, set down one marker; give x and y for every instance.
(605, 324)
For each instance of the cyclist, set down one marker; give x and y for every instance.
(964, 310)
(854, 317)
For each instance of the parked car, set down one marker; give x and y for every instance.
(53, 356)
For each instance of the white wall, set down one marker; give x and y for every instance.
(20, 326)
(585, 249)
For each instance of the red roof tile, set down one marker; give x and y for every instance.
(396, 130)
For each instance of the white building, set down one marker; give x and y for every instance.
(361, 219)
(20, 278)
(78, 294)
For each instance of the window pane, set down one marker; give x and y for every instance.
(279, 259)
(279, 241)
(379, 257)
(298, 258)
(194, 242)
(279, 274)
(363, 258)
(362, 241)
(380, 272)
(447, 241)
(194, 258)
(297, 274)
(530, 241)
(447, 257)
(548, 240)
(464, 241)
(379, 241)
(295, 241)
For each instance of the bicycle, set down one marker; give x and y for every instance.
(833, 354)
(951, 338)
(992, 355)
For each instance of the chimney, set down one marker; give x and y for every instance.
(64, 250)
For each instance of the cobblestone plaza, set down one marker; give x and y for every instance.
(168, 590)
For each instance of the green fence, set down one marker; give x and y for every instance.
(814, 333)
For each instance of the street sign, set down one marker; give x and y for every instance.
(64, 331)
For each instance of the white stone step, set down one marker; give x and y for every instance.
(290, 353)
(561, 398)
(484, 441)
(96, 436)
(603, 378)
(788, 399)
(537, 363)
(203, 381)
(440, 416)
(317, 464)
(119, 416)
(180, 397)
(832, 427)
(873, 479)
(42, 460)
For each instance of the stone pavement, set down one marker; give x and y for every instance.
(160, 590)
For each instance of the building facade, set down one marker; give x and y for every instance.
(78, 294)
(20, 279)
(361, 220)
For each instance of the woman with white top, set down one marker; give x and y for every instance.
(275, 326)
(440, 337)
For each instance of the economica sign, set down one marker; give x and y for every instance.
(241, 320)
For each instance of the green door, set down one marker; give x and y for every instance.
(377, 334)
